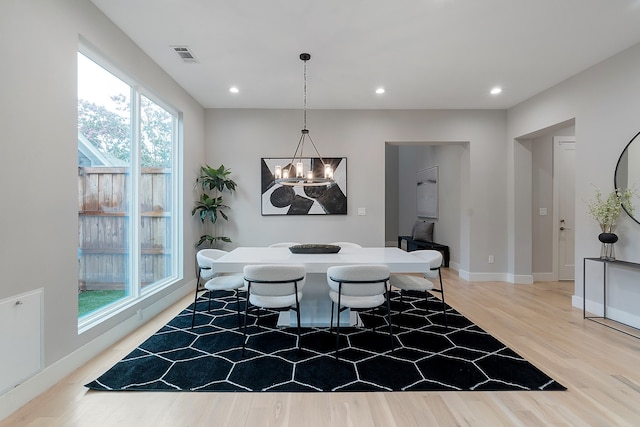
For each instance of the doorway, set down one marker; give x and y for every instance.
(564, 149)
(552, 158)
(402, 162)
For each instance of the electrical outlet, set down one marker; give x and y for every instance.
(491, 259)
(362, 211)
(543, 211)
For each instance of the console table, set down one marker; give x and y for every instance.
(605, 264)
(413, 245)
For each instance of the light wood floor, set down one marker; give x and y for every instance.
(599, 366)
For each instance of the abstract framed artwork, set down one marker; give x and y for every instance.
(427, 193)
(280, 199)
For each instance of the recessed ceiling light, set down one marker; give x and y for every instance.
(234, 89)
(496, 90)
(380, 90)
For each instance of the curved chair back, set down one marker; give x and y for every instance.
(346, 244)
(274, 279)
(205, 259)
(359, 280)
(283, 244)
(433, 258)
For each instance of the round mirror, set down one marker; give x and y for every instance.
(627, 173)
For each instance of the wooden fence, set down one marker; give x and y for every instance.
(104, 224)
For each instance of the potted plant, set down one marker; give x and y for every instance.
(210, 206)
(606, 210)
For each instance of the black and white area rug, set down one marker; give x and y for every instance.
(427, 356)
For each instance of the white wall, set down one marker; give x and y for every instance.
(604, 102)
(239, 138)
(392, 188)
(542, 197)
(38, 165)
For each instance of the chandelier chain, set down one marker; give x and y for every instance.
(314, 177)
(304, 95)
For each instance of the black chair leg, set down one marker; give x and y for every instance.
(338, 321)
(258, 318)
(331, 324)
(297, 312)
(195, 300)
(444, 305)
(401, 310)
(389, 321)
(244, 330)
(426, 304)
(444, 313)
(298, 318)
(238, 306)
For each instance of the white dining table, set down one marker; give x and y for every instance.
(315, 306)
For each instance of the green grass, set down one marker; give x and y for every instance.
(89, 301)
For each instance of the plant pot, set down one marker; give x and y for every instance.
(608, 237)
(607, 251)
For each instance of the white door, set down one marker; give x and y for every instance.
(564, 149)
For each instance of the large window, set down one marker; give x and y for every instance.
(127, 220)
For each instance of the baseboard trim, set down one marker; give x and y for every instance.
(521, 279)
(544, 277)
(487, 277)
(597, 309)
(17, 397)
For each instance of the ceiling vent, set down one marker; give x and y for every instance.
(185, 54)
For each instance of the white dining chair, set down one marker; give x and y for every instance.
(346, 244)
(283, 244)
(358, 287)
(408, 282)
(214, 281)
(273, 286)
(205, 259)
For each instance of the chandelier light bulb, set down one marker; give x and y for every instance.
(328, 172)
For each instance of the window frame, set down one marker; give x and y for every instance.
(137, 291)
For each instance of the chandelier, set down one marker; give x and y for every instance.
(294, 174)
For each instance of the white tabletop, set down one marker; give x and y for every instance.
(396, 259)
